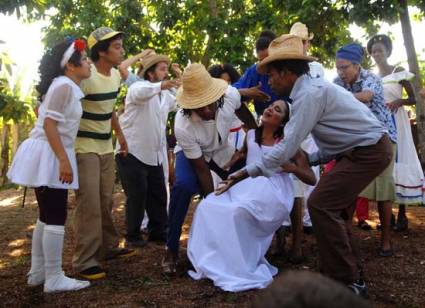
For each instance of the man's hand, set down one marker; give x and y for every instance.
(176, 70)
(123, 145)
(237, 156)
(232, 180)
(145, 53)
(257, 94)
(168, 84)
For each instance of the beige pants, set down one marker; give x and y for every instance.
(94, 230)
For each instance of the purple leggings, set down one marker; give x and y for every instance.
(52, 203)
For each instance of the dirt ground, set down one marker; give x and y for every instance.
(137, 281)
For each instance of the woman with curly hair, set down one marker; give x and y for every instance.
(46, 160)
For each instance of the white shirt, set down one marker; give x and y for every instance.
(144, 120)
(316, 70)
(199, 138)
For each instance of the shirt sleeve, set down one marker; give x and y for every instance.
(296, 130)
(142, 91)
(371, 83)
(57, 101)
(246, 80)
(191, 149)
(232, 98)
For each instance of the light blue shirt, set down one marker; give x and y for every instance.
(337, 121)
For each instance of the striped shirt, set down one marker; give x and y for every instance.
(94, 134)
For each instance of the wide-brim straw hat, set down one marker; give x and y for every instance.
(198, 88)
(285, 47)
(299, 29)
(152, 59)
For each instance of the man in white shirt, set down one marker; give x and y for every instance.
(201, 127)
(143, 122)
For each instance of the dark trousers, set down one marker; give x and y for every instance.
(144, 187)
(333, 202)
(52, 204)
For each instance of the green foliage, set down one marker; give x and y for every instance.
(193, 30)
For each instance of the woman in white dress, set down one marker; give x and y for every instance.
(232, 232)
(46, 161)
(408, 173)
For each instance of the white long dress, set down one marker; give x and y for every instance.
(35, 164)
(408, 174)
(232, 232)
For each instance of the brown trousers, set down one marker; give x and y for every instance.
(94, 230)
(333, 202)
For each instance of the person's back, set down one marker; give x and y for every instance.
(302, 289)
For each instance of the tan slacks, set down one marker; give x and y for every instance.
(94, 230)
(332, 204)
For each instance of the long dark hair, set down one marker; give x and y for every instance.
(50, 66)
(278, 133)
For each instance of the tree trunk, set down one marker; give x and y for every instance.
(4, 153)
(15, 138)
(206, 58)
(417, 82)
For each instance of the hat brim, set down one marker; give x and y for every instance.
(262, 66)
(216, 90)
(92, 43)
(157, 59)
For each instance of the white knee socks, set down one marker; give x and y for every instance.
(36, 273)
(56, 280)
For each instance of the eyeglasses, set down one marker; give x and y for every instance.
(343, 67)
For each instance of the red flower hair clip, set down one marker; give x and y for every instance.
(80, 45)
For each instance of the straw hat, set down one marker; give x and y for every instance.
(150, 60)
(299, 29)
(198, 88)
(285, 47)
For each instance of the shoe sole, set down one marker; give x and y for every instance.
(93, 276)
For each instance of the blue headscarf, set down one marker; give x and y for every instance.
(352, 52)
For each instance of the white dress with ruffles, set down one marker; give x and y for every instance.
(35, 164)
(408, 174)
(232, 232)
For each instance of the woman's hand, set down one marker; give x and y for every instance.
(289, 167)
(393, 106)
(231, 180)
(65, 171)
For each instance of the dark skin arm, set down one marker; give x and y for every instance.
(204, 175)
(300, 167)
(237, 156)
(246, 117)
(409, 101)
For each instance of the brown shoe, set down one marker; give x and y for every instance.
(169, 263)
(120, 253)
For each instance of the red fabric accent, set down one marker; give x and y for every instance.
(362, 208)
(329, 166)
(236, 129)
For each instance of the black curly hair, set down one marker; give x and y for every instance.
(380, 38)
(50, 66)
(219, 102)
(218, 69)
(278, 133)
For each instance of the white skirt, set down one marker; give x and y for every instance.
(408, 174)
(35, 164)
(232, 232)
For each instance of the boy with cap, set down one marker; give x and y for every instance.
(202, 128)
(95, 234)
(342, 129)
(368, 89)
(147, 104)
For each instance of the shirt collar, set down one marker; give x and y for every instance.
(298, 86)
